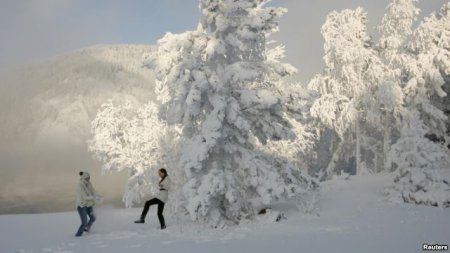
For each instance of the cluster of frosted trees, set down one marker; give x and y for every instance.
(235, 137)
(379, 98)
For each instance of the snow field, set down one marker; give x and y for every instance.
(353, 216)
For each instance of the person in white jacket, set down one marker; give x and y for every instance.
(160, 199)
(86, 199)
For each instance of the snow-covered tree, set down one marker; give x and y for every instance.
(425, 64)
(297, 101)
(219, 84)
(396, 29)
(297, 153)
(440, 21)
(418, 58)
(131, 138)
(353, 71)
(403, 71)
(419, 162)
(430, 45)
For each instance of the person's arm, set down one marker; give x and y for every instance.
(166, 183)
(83, 193)
(97, 197)
(94, 191)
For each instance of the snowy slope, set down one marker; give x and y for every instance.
(57, 98)
(45, 114)
(353, 217)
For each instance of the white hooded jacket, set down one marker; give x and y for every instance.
(86, 194)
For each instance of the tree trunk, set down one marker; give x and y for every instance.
(331, 168)
(358, 146)
(386, 144)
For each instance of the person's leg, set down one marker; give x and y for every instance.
(145, 210)
(82, 211)
(162, 222)
(92, 218)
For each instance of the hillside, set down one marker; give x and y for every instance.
(61, 95)
(46, 111)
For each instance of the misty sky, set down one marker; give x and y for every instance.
(34, 30)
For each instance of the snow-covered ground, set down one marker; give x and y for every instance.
(353, 216)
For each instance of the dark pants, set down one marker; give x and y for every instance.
(160, 210)
(84, 212)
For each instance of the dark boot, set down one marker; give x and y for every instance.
(139, 221)
(163, 227)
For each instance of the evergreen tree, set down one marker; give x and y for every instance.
(420, 161)
(430, 47)
(220, 85)
(419, 164)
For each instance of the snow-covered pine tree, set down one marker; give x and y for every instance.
(218, 84)
(131, 138)
(419, 59)
(419, 162)
(298, 153)
(428, 69)
(411, 56)
(297, 101)
(353, 71)
(443, 61)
